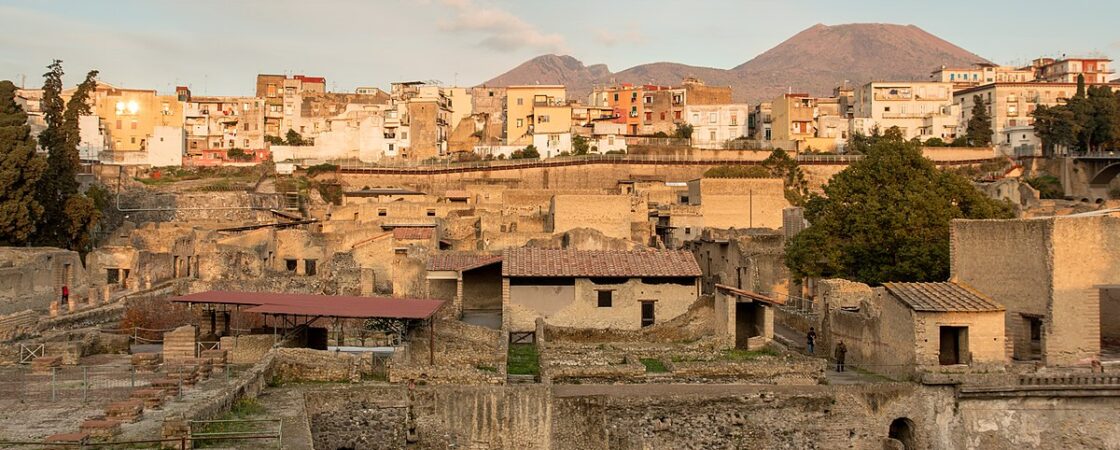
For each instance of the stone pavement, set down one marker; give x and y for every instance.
(286, 403)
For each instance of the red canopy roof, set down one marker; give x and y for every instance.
(319, 305)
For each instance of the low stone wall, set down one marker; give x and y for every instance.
(247, 349)
(301, 364)
(765, 370)
(628, 369)
(439, 375)
(18, 324)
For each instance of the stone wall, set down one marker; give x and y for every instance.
(31, 278)
(739, 202)
(247, 349)
(610, 214)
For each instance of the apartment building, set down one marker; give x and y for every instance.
(522, 115)
(1010, 106)
(282, 96)
(217, 123)
(980, 74)
(133, 126)
(1066, 70)
(427, 114)
(714, 125)
(920, 109)
(760, 123)
(650, 109)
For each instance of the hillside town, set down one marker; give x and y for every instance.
(922, 262)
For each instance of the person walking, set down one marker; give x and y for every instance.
(841, 352)
(811, 340)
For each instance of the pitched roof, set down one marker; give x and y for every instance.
(461, 261)
(400, 233)
(539, 262)
(942, 297)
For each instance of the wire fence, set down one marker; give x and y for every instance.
(98, 384)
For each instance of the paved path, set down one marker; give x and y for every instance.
(286, 403)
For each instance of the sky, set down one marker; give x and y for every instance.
(218, 46)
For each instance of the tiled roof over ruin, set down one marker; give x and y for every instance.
(459, 261)
(941, 297)
(412, 233)
(538, 262)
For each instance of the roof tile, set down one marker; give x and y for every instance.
(538, 262)
(942, 297)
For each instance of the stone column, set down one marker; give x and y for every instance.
(54, 308)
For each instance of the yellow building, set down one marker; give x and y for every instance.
(129, 117)
(793, 117)
(521, 114)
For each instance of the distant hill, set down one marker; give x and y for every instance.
(814, 60)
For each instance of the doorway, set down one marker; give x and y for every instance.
(953, 346)
(902, 430)
(647, 313)
(747, 318)
(1110, 323)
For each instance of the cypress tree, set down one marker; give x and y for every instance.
(20, 170)
(980, 124)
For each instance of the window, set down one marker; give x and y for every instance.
(649, 116)
(734, 119)
(688, 230)
(431, 213)
(520, 101)
(404, 135)
(616, 97)
(605, 298)
(118, 124)
(290, 264)
(542, 118)
(520, 123)
(712, 117)
(677, 115)
(382, 213)
(309, 267)
(649, 99)
(662, 115)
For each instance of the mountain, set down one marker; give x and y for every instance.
(553, 69)
(815, 60)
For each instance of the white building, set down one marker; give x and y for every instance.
(920, 109)
(713, 125)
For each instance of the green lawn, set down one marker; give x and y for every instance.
(523, 360)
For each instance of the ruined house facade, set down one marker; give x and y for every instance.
(624, 290)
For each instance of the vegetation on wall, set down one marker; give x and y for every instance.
(1048, 186)
(778, 165)
(886, 218)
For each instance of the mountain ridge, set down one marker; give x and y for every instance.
(813, 60)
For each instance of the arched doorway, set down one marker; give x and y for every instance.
(902, 430)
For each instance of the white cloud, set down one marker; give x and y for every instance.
(501, 30)
(610, 38)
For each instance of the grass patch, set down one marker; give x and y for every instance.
(654, 365)
(523, 360)
(483, 368)
(866, 373)
(245, 408)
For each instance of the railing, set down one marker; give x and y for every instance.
(658, 141)
(88, 384)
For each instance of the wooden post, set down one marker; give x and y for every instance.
(432, 341)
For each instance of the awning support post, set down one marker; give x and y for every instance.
(432, 341)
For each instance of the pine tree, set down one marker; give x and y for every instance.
(979, 131)
(20, 171)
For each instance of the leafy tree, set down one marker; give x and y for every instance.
(238, 154)
(529, 152)
(20, 171)
(782, 166)
(274, 140)
(1056, 127)
(1048, 186)
(979, 130)
(294, 138)
(683, 131)
(934, 142)
(1104, 122)
(82, 217)
(579, 145)
(886, 218)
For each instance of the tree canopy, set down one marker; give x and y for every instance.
(979, 132)
(20, 171)
(886, 218)
(1090, 120)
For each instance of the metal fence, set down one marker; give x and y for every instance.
(88, 384)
